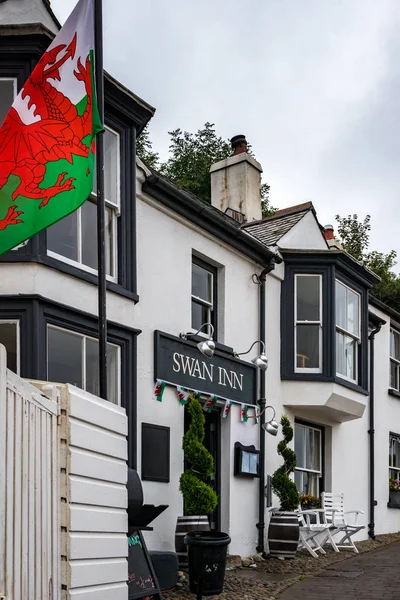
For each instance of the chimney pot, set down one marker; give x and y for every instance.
(329, 233)
(239, 144)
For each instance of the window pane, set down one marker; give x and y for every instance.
(299, 444)
(307, 346)
(396, 454)
(92, 369)
(346, 362)
(308, 297)
(6, 97)
(89, 236)
(9, 339)
(200, 314)
(62, 237)
(353, 312)
(201, 283)
(311, 484)
(64, 357)
(111, 166)
(298, 479)
(313, 445)
(395, 345)
(340, 292)
(394, 375)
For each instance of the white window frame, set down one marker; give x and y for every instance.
(116, 211)
(395, 361)
(198, 300)
(339, 329)
(303, 469)
(393, 439)
(300, 323)
(18, 344)
(85, 337)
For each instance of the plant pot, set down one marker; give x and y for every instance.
(394, 498)
(283, 534)
(186, 525)
(207, 561)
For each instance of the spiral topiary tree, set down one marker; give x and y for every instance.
(199, 497)
(283, 486)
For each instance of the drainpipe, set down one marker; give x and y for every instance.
(371, 430)
(260, 279)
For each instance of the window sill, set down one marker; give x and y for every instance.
(351, 385)
(393, 393)
(62, 267)
(389, 505)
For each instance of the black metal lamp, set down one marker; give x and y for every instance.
(206, 347)
(260, 361)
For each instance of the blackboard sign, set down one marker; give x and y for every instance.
(142, 581)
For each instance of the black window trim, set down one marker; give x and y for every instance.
(214, 270)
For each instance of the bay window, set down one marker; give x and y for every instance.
(308, 448)
(348, 337)
(74, 238)
(74, 358)
(394, 360)
(8, 91)
(9, 337)
(308, 323)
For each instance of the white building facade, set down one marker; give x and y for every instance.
(175, 264)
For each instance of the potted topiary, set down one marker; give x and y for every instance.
(199, 498)
(394, 492)
(283, 532)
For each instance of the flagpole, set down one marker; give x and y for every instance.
(101, 246)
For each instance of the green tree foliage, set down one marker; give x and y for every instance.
(354, 236)
(199, 497)
(144, 149)
(283, 486)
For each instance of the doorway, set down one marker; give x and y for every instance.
(212, 441)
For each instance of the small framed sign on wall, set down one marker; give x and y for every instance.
(155, 452)
(246, 461)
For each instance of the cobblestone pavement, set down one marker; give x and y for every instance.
(371, 576)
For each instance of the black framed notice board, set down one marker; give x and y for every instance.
(155, 452)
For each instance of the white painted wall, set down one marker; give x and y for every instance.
(305, 235)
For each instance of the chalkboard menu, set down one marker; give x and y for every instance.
(142, 581)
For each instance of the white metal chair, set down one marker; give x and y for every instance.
(314, 535)
(336, 517)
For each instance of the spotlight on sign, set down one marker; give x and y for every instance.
(207, 346)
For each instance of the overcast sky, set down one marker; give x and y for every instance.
(313, 84)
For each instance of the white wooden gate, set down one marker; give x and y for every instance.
(29, 491)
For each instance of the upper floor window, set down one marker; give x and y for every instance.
(74, 238)
(9, 337)
(308, 323)
(8, 91)
(204, 295)
(348, 336)
(308, 448)
(74, 358)
(395, 360)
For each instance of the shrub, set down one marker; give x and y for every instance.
(199, 497)
(282, 484)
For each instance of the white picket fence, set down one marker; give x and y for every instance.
(29, 490)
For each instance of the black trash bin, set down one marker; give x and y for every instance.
(207, 560)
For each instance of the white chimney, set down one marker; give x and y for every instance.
(235, 182)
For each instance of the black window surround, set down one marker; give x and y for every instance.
(35, 313)
(331, 266)
(214, 312)
(124, 113)
(322, 430)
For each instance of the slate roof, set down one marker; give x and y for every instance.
(271, 229)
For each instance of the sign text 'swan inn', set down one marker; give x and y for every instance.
(181, 362)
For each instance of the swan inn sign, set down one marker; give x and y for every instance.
(180, 362)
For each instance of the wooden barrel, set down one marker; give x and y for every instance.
(185, 525)
(283, 534)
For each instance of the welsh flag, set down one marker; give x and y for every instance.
(47, 137)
